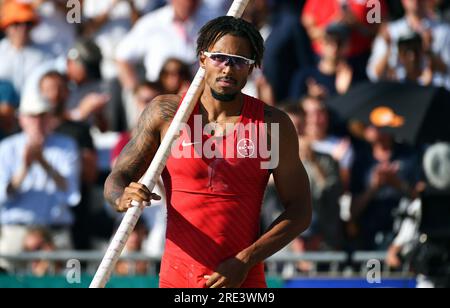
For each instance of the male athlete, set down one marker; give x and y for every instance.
(214, 203)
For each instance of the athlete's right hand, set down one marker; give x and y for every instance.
(134, 192)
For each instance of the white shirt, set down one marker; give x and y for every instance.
(17, 64)
(94, 8)
(400, 28)
(329, 144)
(114, 30)
(156, 37)
(38, 200)
(53, 31)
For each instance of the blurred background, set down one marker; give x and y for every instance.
(367, 87)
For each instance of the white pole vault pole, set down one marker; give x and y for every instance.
(155, 169)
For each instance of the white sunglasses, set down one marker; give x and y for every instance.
(223, 59)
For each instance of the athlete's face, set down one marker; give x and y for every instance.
(227, 78)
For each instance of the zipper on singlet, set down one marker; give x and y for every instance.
(212, 166)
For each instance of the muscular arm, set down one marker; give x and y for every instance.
(293, 187)
(139, 152)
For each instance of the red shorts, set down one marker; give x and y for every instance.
(178, 273)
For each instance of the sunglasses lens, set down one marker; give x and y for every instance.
(237, 62)
(220, 58)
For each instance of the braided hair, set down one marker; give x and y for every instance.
(217, 28)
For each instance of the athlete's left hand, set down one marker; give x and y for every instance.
(229, 274)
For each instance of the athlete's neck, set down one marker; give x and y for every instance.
(218, 110)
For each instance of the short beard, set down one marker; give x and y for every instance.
(223, 97)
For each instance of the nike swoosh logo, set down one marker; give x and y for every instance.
(185, 144)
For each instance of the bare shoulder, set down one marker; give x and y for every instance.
(161, 109)
(166, 106)
(275, 115)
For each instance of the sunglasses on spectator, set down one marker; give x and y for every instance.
(222, 59)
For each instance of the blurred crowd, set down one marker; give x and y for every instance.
(71, 94)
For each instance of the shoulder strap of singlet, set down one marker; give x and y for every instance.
(253, 109)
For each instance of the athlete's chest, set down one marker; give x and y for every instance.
(220, 164)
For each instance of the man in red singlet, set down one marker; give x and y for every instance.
(215, 179)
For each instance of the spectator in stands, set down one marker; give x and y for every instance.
(39, 181)
(326, 188)
(39, 239)
(108, 22)
(435, 41)
(168, 32)
(19, 55)
(288, 49)
(89, 96)
(143, 95)
(332, 75)
(323, 171)
(53, 33)
(9, 102)
(54, 88)
(175, 77)
(353, 15)
(382, 174)
(318, 131)
(416, 65)
(428, 256)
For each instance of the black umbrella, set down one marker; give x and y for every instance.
(411, 113)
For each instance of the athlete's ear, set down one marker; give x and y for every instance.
(202, 60)
(250, 70)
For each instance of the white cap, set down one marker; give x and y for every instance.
(34, 105)
(436, 165)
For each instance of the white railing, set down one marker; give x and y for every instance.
(324, 263)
